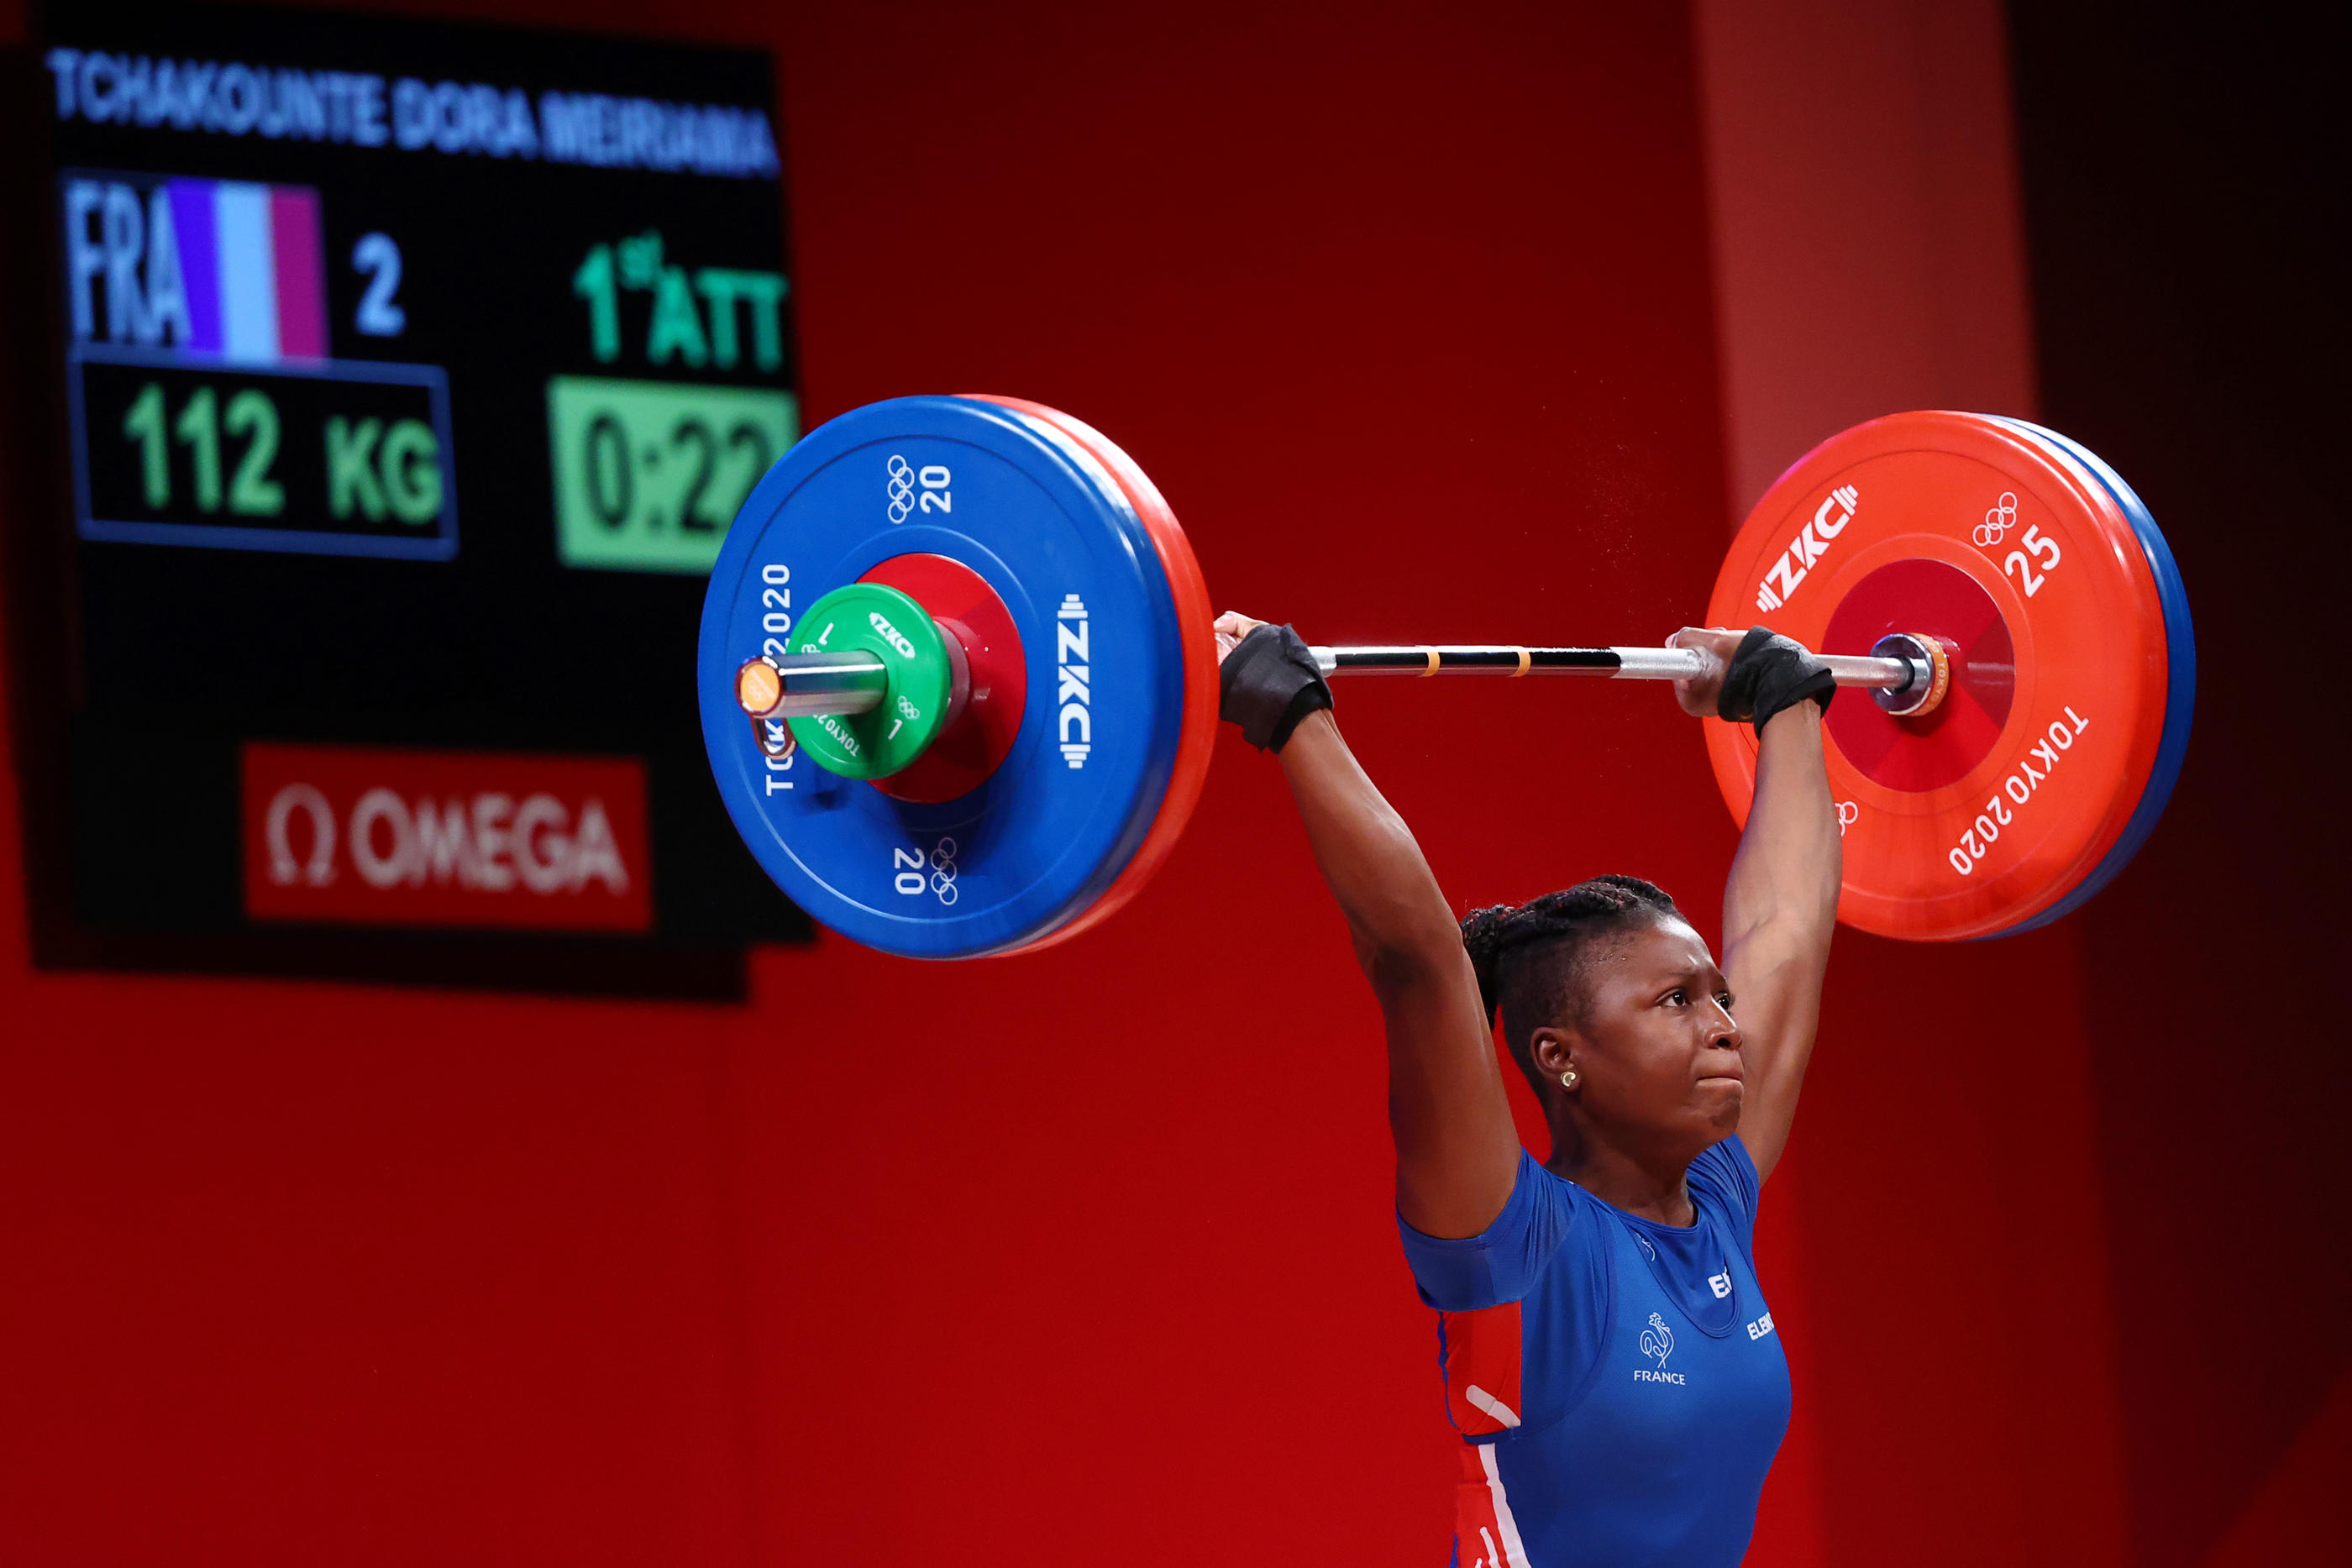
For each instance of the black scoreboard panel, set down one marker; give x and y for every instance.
(396, 383)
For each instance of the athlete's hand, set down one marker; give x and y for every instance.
(1231, 629)
(1699, 694)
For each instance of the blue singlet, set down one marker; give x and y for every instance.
(1617, 1383)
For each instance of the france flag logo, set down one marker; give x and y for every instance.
(250, 267)
(222, 268)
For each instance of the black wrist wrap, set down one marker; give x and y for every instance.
(1769, 673)
(1270, 682)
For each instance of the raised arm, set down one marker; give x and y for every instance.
(1780, 910)
(1457, 1151)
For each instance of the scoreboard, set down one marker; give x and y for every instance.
(397, 383)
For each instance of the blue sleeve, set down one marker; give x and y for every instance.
(1500, 1263)
(1728, 1174)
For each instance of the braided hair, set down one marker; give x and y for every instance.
(1531, 960)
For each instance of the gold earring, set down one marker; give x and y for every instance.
(1567, 1078)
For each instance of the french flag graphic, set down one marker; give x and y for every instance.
(250, 262)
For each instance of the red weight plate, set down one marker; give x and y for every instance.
(970, 748)
(1195, 627)
(1973, 819)
(1924, 598)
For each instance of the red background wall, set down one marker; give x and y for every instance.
(1417, 315)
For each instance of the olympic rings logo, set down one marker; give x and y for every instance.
(1999, 518)
(1849, 813)
(901, 485)
(943, 871)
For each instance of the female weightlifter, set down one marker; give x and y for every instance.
(1609, 1358)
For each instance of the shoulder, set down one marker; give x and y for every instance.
(1535, 1194)
(1502, 1262)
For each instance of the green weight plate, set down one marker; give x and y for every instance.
(873, 618)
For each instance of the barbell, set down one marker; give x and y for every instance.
(958, 679)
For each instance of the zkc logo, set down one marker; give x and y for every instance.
(1811, 543)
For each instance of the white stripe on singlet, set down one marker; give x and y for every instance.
(1514, 1553)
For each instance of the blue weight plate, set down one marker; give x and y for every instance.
(1045, 526)
(2181, 676)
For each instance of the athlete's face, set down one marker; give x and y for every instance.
(1657, 1048)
